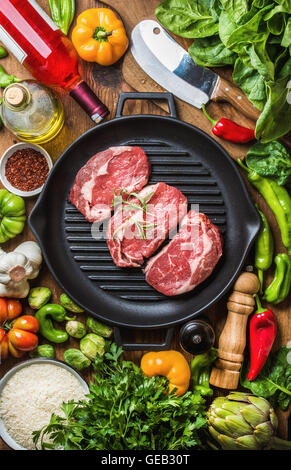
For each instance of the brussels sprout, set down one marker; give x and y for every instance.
(99, 328)
(38, 297)
(68, 304)
(44, 350)
(75, 358)
(76, 329)
(91, 345)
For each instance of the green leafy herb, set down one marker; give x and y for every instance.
(189, 19)
(272, 160)
(129, 204)
(274, 381)
(125, 410)
(252, 35)
(210, 52)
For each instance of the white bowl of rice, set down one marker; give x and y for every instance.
(30, 393)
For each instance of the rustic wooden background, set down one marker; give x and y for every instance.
(108, 83)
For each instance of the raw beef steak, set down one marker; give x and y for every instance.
(188, 259)
(137, 229)
(113, 169)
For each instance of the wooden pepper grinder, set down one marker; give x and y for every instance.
(232, 341)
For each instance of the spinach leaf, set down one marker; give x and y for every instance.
(275, 119)
(210, 52)
(274, 381)
(251, 82)
(271, 160)
(286, 40)
(189, 19)
(236, 8)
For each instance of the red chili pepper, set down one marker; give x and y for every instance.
(229, 130)
(263, 330)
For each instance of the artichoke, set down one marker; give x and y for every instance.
(243, 421)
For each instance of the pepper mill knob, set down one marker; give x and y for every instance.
(232, 341)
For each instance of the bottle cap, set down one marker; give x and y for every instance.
(87, 99)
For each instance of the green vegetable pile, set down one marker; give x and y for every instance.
(271, 160)
(252, 35)
(274, 381)
(126, 410)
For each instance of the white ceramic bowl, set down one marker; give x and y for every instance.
(7, 154)
(39, 360)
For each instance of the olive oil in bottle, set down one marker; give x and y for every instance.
(32, 112)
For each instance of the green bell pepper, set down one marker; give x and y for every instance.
(200, 372)
(45, 315)
(12, 215)
(264, 248)
(279, 288)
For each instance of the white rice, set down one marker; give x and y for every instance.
(31, 395)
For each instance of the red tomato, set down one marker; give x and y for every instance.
(9, 309)
(3, 345)
(27, 323)
(14, 309)
(3, 310)
(22, 340)
(13, 351)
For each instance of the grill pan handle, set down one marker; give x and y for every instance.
(166, 344)
(146, 96)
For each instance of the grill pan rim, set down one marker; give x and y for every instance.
(255, 225)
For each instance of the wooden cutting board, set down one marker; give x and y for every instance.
(132, 14)
(108, 82)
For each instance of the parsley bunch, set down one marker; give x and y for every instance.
(126, 410)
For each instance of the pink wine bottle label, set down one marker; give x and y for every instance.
(87, 99)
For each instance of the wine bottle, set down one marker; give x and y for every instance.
(35, 40)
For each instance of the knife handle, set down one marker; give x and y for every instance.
(226, 91)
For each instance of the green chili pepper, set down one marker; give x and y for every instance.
(3, 52)
(278, 200)
(45, 315)
(264, 248)
(279, 288)
(12, 215)
(6, 79)
(200, 372)
(62, 12)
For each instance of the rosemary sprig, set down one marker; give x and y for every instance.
(129, 205)
(118, 200)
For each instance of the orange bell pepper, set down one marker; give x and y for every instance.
(99, 36)
(171, 364)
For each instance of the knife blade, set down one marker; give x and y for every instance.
(166, 62)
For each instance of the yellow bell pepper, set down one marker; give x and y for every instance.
(99, 36)
(171, 364)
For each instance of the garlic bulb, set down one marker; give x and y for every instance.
(17, 267)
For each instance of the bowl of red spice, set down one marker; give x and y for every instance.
(24, 168)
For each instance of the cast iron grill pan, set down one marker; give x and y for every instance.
(181, 155)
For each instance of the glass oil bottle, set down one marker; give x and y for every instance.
(32, 112)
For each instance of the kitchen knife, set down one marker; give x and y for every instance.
(166, 62)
